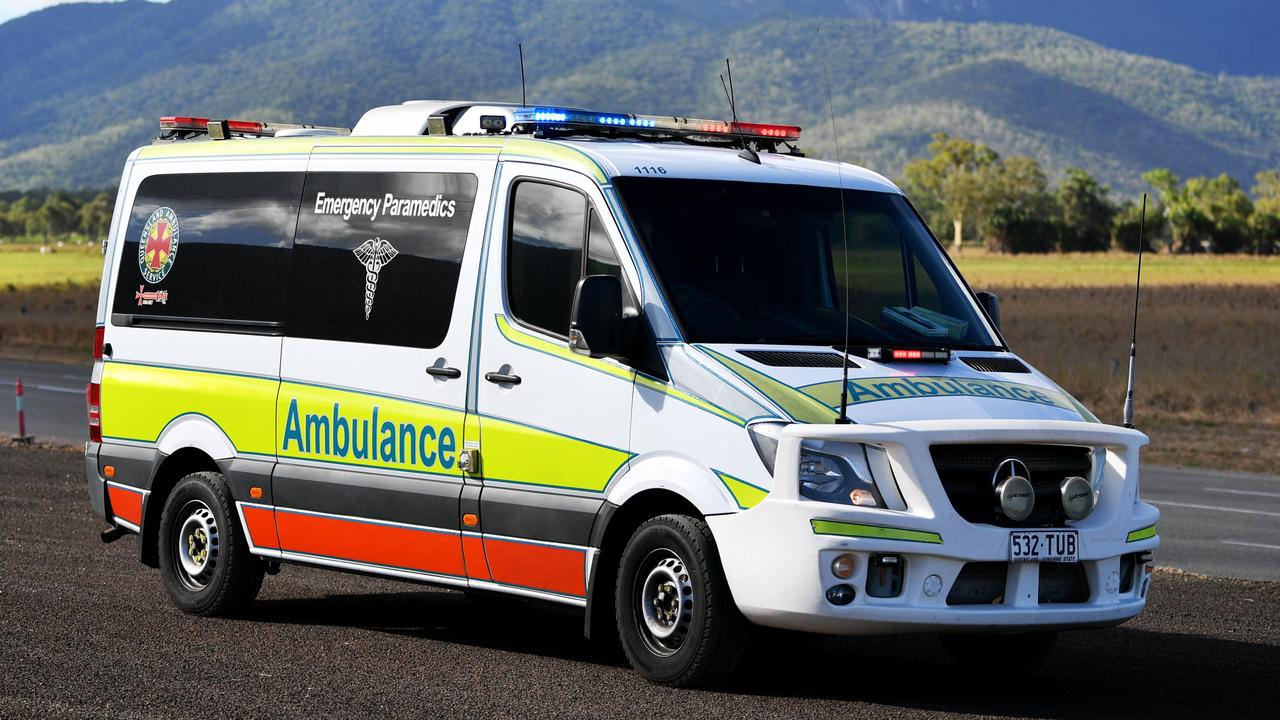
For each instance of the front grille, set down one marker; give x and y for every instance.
(789, 358)
(966, 472)
(996, 364)
(979, 583)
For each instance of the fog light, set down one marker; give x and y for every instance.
(1017, 497)
(842, 567)
(932, 585)
(1077, 497)
(840, 594)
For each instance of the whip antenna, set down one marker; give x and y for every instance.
(1133, 342)
(747, 153)
(523, 99)
(844, 234)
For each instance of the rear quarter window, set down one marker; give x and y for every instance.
(209, 246)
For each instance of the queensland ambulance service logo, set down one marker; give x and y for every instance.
(159, 245)
(374, 254)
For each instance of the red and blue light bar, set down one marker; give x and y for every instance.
(569, 119)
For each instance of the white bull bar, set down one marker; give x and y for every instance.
(777, 561)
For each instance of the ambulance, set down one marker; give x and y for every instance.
(667, 370)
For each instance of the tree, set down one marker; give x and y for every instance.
(56, 216)
(1126, 225)
(1204, 213)
(1017, 209)
(1085, 212)
(95, 217)
(1264, 226)
(953, 178)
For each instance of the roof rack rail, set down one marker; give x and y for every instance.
(181, 127)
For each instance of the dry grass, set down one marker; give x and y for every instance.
(1208, 385)
(48, 323)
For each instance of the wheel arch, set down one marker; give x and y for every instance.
(171, 468)
(615, 523)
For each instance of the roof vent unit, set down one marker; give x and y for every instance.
(430, 117)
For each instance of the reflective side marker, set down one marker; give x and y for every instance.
(470, 519)
(255, 493)
(109, 470)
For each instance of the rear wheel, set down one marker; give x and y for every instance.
(204, 556)
(1021, 652)
(676, 618)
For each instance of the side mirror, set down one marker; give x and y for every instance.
(596, 326)
(991, 303)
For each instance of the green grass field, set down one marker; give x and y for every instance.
(22, 266)
(986, 270)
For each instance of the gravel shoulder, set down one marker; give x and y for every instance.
(86, 631)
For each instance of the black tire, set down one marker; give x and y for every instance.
(1019, 652)
(199, 528)
(673, 559)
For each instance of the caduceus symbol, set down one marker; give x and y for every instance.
(374, 254)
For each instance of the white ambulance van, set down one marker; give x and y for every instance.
(593, 359)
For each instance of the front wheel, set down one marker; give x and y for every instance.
(1022, 652)
(676, 617)
(204, 556)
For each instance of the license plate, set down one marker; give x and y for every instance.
(1043, 546)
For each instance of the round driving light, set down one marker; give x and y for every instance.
(842, 567)
(1077, 497)
(1017, 497)
(932, 585)
(840, 594)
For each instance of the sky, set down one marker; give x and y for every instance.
(10, 9)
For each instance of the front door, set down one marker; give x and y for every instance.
(370, 417)
(554, 425)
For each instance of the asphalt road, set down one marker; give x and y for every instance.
(1212, 522)
(54, 396)
(86, 631)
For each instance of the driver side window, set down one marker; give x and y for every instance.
(555, 238)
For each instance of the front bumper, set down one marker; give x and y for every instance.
(778, 560)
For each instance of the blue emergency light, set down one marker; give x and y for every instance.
(556, 119)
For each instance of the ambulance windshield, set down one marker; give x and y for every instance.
(764, 263)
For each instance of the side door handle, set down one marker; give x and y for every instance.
(502, 378)
(448, 373)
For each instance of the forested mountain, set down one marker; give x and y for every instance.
(81, 85)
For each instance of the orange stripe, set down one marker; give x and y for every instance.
(477, 565)
(260, 523)
(400, 547)
(126, 504)
(542, 567)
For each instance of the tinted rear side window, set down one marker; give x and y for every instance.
(209, 245)
(377, 256)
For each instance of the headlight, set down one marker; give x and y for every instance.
(830, 478)
(824, 476)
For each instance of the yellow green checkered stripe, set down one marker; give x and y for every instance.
(1142, 534)
(801, 407)
(877, 532)
(520, 337)
(744, 493)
